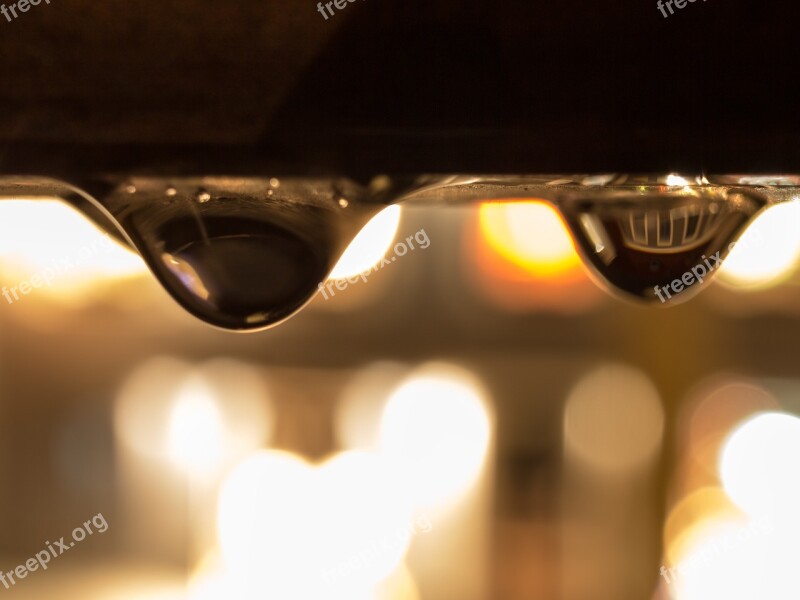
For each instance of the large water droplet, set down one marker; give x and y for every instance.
(232, 254)
(648, 238)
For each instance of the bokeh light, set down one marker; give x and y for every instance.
(437, 427)
(690, 512)
(613, 419)
(360, 409)
(531, 235)
(710, 415)
(520, 256)
(370, 245)
(195, 429)
(760, 465)
(199, 418)
(722, 557)
(295, 530)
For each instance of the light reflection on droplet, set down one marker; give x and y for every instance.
(370, 245)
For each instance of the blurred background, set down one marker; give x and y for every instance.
(475, 420)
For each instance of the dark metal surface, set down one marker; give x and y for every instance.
(254, 87)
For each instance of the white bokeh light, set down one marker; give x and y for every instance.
(196, 430)
(296, 530)
(437, 428)
(760, 465)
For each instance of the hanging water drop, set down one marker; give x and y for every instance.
(640, 242)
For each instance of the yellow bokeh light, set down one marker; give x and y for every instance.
(613, 420)
(370, 245)
(47, 240)
(437, 428)
(768, 251)
(691, 511)
(529, 234)
(760, 465)
(721, 557)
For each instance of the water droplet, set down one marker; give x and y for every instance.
(172, 192)
(343, 202)
(635, 240)
(202, 196)
(245, 263)
(275, 182)
(130, 188)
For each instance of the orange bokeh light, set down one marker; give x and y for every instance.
(525, 257)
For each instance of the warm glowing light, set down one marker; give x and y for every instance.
(760, 465)
(212, 581)
(530, 235)
(613, 419)
(673, 179)
(437, 427)
(143, 592)
(723, 558)
(370, 516)
(55, 244)
(197, 417)
(370, 245)
(768, 251)
(692, 511)
(294, 530)
(709, 417)
(195, 431)
(360, 410)
(400, 586)
(144, 402)
(262, 506)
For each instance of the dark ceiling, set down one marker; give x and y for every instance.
(400, 86)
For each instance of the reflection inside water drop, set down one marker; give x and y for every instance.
(658, 247)
(240, 259)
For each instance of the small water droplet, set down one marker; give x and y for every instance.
(380, 184)
(202, 196)
(130, 188)
(343, 202)
(171, 191)
(275, 182)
